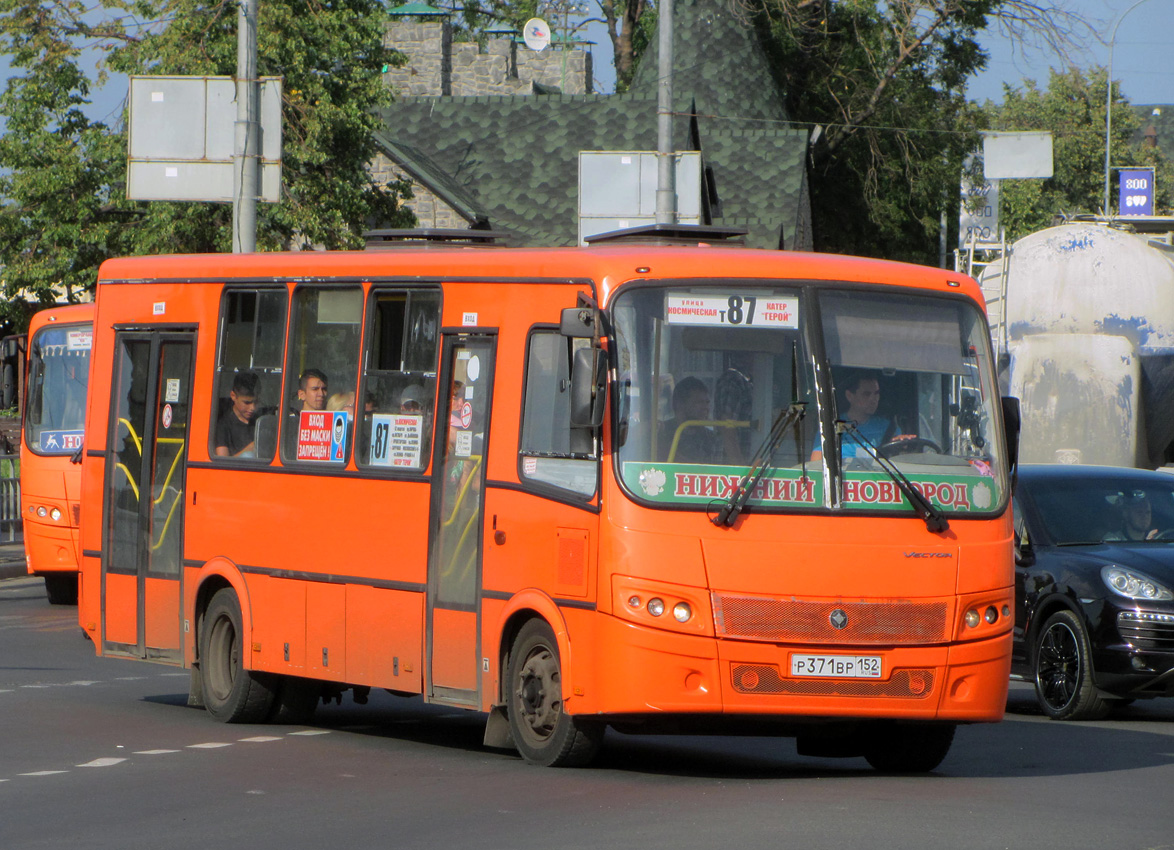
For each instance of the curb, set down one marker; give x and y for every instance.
(13, 569)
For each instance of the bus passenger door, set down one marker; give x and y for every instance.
(457, 517)
(142, 553)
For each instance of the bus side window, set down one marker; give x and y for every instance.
(399, 380)
(252, 338)
(321, 369)
(552, 452)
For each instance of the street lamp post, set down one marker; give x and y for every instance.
(1109, 97)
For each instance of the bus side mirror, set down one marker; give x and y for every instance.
(578, 322)
(588, 372)
(1011, 424)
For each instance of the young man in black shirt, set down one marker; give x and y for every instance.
(234, 431)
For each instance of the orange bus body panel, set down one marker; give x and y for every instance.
(332, 564)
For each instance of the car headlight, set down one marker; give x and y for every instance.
(1134, 585)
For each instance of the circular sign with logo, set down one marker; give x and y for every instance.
(466, 415)
(536, 34)
(166, 416)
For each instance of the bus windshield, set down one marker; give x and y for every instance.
(706, 369)
(59, 369)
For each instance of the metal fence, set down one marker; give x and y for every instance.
(9, 497)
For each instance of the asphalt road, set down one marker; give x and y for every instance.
(103, 753)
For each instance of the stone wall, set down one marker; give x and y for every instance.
(428, 47)
(439, 67)
(430, 210)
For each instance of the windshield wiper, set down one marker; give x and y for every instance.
(759, 464)
(935, 520)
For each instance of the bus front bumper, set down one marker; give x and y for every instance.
(649, 672)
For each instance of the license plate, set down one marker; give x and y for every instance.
(837, 666)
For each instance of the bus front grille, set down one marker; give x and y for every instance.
(765, 679)
(769, 618)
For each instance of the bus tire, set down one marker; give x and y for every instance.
(232, 694)
(908, 747)
(61, 588)
(543, 733)
(296, 700)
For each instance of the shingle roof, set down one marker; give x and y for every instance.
(516, 158)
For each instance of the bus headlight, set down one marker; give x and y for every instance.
(682, 612)
(55, 515)
(656, 606)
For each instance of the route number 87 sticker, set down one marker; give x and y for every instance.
(737, 310)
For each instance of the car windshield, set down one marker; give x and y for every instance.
(59, 370)
(1097, 510)
(704, 371)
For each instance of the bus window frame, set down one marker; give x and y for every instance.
(808, 290)
(290, 384)
(542, 488)
(24, 418)
(427, 446)
(257, 286)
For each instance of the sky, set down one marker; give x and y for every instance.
(1143, 52)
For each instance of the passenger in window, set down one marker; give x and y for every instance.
(234, 431)
(862, 396)
(342, 401)
(695, 441)
(411, 399)
(312, 391)
(1136, 517)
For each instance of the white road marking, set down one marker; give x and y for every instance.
(211, 745)
(155, 752)
(260, 739)
(102, 762)
(312, 732)
(43, 772)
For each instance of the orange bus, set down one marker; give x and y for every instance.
(50, 445)
(569, 488)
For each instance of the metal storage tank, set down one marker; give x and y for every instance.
(1084, 315)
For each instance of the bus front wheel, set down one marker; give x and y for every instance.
(908, 747)
(543, 732)
(61, 588)
(232, 694)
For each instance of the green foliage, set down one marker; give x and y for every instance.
(1072, 108)
(60, 173)
(884, 84)
(62, 176)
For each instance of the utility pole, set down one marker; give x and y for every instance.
(247, 149)
(666, 173)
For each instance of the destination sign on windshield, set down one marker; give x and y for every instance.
(747, 311)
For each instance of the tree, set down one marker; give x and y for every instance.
(60, 173)
(65, 177)
(1072, 108)
(884, 85)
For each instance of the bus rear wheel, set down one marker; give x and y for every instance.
(543, 732)
(232, 694)
(61, 588)
(908, 747)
